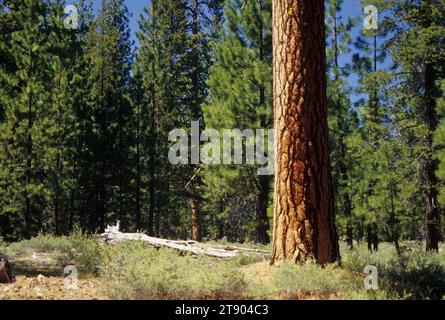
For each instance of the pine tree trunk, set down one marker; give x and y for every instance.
(369, 237)
(262, 201)
(153, 156)
(262, 227)
(196, 230)
(28, 173)
(303, 204)
(196, 113)
(154, 132)
(394, 234)
(344, 174)
(372, 237)
(375, 238)
(138, 169)
(430, 166)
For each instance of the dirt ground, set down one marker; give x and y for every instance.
(50, 288)
(259, 272)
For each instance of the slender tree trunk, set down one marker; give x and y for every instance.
(196, 230)
(375, 238)
(372, 236)
(58, 165)
(369, 237)
(100, 214)
(263, 182)
(28, 174)
(154, 131)
(344, 174)
(153, 157)
(28, 204)
(138, 168)
(430, 166)
(393, 221)
(262, 227)
(57, 193)
(303, 203)
(196, 113)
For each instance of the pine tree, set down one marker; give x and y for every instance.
(417, 48)
(367, 64)
(341, 117)
(80, 191)
(197, 66)
(163, 54)
(109, 54)
(241, 97)
(59, 133)
(25, 95)
(439, 144)
(303, 207)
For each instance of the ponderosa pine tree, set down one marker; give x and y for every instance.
(439, 143)
(418, 48)
(109, 54)
(303, 203)
(163, 54)
(59, 128)
(81, 190)
(24, 95)
(367, 65)
(342, 120)
(201, 25)
(175, 39)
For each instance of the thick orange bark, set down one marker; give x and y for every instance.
(303, 205)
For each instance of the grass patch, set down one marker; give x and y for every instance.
(49, 254)
(412, 274)
(135, 271)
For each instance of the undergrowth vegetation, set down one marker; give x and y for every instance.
(133, 270)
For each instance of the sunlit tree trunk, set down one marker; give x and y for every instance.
(303, 204)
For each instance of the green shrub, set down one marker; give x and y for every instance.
(134, 271)
(416, 274)
(359, 257)
(411, 274)
(40, 244)
(85, 251)
(311, 279)
(78, 248)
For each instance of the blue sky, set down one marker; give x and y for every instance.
(136, 7)
(351, 8)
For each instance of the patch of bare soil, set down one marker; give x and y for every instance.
(260, 272)
(50, 288)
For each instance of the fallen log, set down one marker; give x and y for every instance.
(112, 235)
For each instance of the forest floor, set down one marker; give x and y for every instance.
(40, 287)
(133, 270)
(50, 288)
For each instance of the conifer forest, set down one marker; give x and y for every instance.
(280, 146)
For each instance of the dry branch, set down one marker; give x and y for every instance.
(113, 235)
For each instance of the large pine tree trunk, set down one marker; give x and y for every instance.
(303, 208)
